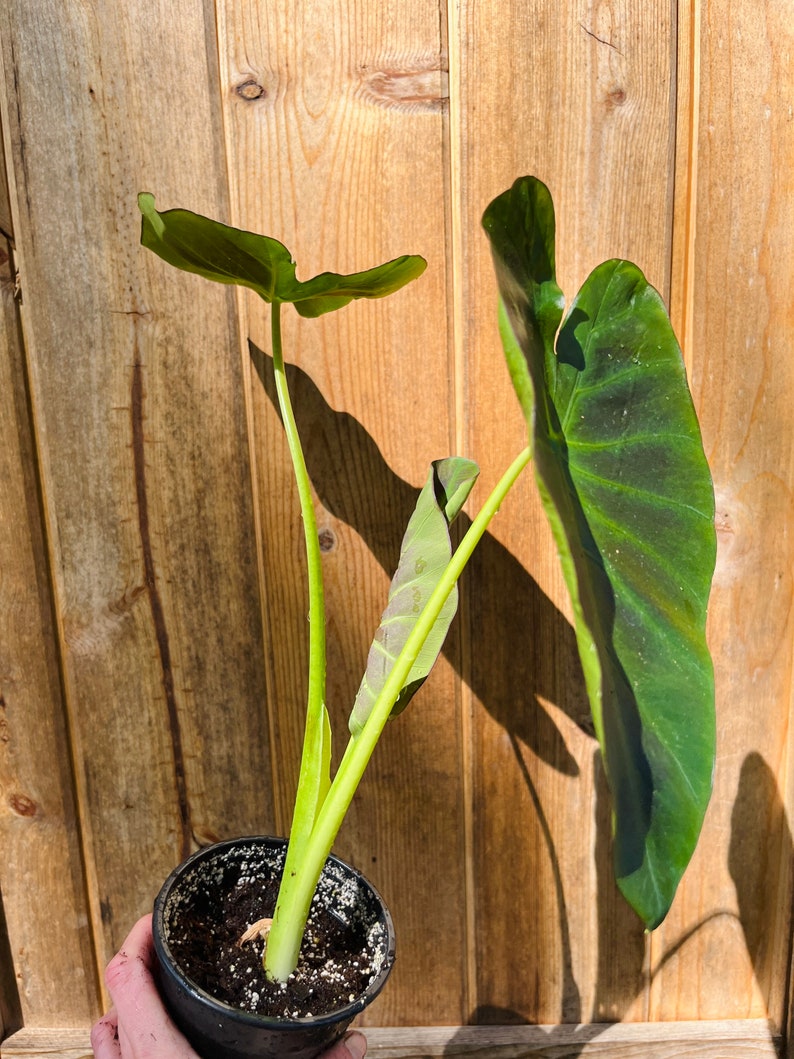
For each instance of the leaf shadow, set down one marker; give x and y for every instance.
(617, 985)
(354, 484)
(517, 1037)
(761, 842)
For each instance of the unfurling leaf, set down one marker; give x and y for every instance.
(425, 552)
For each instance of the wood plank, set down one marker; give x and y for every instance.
(586, 102)
(10, 1014)
(737, 897)
(48, 1043)
(6, 220)
(335, 118)
(137, 398)
(745, 1039)
(46, 962)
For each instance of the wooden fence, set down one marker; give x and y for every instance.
(151, 619)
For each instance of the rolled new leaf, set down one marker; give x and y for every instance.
(425, 552)
(230, 255)
(621, 470)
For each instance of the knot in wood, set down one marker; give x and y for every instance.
(250, 90)
(22, 805)
(327, 539)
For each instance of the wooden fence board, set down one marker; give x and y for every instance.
(336, 121)
(743, 1039)
(739, 884)
(54, 1042)
(47, 967)
(582, 96)
(142, 444)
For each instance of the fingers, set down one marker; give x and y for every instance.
(144, 1029)
(138, 944)
(105, 1037)
(353, 1046)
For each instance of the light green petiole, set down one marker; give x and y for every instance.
(314, 775)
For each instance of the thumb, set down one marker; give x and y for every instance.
(354, 1046)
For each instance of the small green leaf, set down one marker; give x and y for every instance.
(229, 255)
(621, 470)
(425, 552)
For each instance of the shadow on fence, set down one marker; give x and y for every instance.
(354, 484)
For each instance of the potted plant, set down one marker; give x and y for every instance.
(618, 459)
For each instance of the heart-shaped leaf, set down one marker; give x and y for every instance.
(425, 552)
(229, 255)
(621, 470)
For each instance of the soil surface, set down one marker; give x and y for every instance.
(334, 966)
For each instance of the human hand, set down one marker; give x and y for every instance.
(138, 1026)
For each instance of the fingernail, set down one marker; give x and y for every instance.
(356, 1045)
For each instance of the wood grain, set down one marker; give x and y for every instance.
(339, 155)
(584, 101)
(743, 1039)
(52, 1042)
(735, 906)
(143, 455)
(46, 960)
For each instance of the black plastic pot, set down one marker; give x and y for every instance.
(218, 1031)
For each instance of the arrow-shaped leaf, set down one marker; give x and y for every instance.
(229, 255)
(624, 480)
(425, 552)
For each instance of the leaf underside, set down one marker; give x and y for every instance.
(208, 248)
(620, 466)
(425, 552)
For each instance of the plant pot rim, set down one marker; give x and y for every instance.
(247, 1018)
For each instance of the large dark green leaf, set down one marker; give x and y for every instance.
(425, 552)
(624, 480)
(229, 255)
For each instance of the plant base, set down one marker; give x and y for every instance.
(216, 990)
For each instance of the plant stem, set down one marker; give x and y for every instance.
(301, 887)
(311, 783)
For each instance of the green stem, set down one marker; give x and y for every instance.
(311, 783)
(297, 898)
